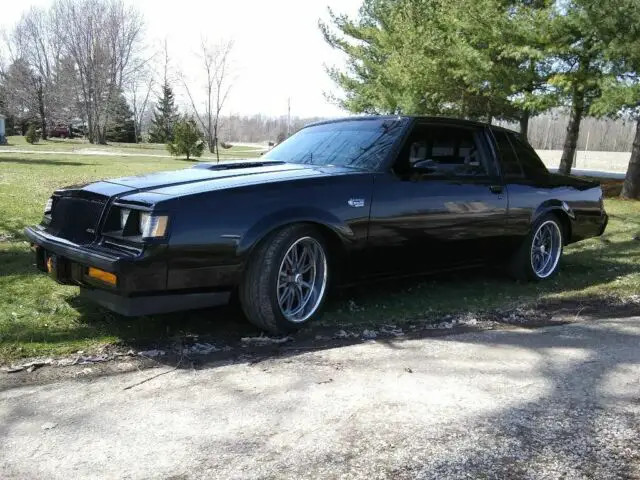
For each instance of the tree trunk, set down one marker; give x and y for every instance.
(573, 131)
(215, 141)
(41, 111)
(524, 125)
(631, 187)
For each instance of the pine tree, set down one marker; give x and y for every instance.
(32, 136)
(187, 139)
(164, 117)
(621, 93)
(478, 59)
(120, 126)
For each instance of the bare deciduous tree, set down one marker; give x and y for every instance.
(215, 61)
(139, 89)
(35, 52)
(104, 38)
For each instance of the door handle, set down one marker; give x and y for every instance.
(497, 189)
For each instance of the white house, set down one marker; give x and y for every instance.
(2, 131)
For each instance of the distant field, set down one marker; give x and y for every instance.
(81, 146)
(603, 161)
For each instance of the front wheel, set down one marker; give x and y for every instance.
(538, 258)
(286, 280)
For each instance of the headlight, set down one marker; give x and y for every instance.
(152, 226)
(48, 206)
(124, 215)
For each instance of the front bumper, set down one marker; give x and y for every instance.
(71, 251)
(141, 287)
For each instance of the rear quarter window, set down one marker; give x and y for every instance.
(509, 163)
(529, 160)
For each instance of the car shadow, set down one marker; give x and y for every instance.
(352, 311)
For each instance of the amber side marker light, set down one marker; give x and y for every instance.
(103, 276)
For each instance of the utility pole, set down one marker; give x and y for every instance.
(288, 117)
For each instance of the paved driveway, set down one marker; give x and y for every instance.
(559, 402)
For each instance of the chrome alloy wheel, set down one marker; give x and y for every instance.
(302, 280)
(546, 249)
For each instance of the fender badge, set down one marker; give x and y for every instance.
(356, 202)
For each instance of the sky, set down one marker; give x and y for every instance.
(279, 52)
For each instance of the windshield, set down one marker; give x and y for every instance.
(358, 144)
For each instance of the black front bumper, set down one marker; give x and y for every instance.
(71, 251)
(141, 287)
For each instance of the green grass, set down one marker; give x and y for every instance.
(79, 145)
(39, 317)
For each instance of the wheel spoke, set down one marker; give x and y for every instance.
(288, 261)
(298, 297)
(285, 295)
(303, 259)
(291, 300)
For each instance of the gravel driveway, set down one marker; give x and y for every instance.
(557, 402)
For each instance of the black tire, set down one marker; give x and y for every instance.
(521, 264)
(258, 288)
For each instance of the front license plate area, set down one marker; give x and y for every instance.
(58, 268)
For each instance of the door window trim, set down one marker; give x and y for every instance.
(483, 145)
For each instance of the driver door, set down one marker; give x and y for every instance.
(442, 205)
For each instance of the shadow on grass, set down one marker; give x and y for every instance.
(17, 261)
(40, 161)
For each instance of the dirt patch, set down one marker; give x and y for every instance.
(204, 352)
(611, 188)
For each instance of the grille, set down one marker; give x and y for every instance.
(76, 219)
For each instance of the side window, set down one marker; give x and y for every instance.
(531, 163)
(508, 158)
(438, 151)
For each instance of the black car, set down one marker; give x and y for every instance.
(338, 202)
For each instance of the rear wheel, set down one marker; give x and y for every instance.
(538, 258)
(286, 280)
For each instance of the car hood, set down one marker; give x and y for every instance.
(209, 176)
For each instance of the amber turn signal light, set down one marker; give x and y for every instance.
(103, 276)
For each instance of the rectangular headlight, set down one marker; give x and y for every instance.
(153, 226)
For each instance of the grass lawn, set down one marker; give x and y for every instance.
(80, 145)
(39, 317)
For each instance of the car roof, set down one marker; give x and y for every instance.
(431, 119)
